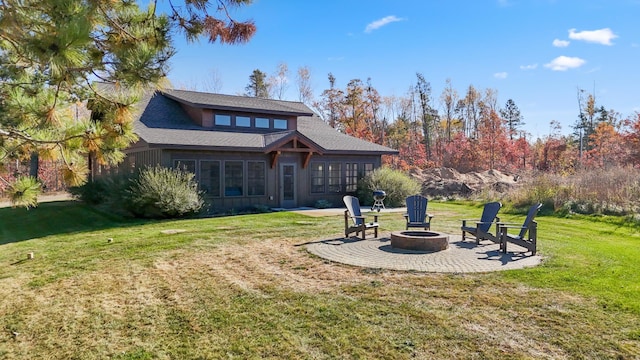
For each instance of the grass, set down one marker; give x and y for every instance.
(243, 287)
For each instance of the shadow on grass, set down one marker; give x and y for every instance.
(55, 218)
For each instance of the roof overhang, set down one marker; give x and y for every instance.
(235, 108)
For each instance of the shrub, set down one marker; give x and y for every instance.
(159, 192)
(397, 184)
(91, 193)
(614, 191)
(322, 204)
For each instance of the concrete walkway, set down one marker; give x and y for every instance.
(460, 257)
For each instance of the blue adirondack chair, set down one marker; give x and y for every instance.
(482, 228)
(528, 236)
(417, 215)
(353, 219)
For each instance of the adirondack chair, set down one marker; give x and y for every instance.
(528, 236)
(353, 219)
(416, 215)
(482, 228)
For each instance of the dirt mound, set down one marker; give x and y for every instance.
(450, 182)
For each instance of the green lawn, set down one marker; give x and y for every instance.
(243, 287)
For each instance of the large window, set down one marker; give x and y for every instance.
(243, 121)
(368, 169)
(280, 124)
(317, 177)
(233, 178)
(210, 177)
(335, 177)
(224, 120)
(256, 178)
(351, 178)
(262, 123)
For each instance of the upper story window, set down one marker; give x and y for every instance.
(224, 120)
(243, 121)
(280, 124)
(262, 123)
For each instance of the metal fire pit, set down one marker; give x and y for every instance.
(378, 200)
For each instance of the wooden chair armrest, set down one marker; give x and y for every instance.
(511, 227)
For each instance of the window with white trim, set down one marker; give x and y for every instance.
(317, 170)
(351, 177)
(368, 169)
(335, 177)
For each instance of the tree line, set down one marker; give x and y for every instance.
(468, 130)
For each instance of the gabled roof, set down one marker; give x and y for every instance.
(238, 103)
(164, 123)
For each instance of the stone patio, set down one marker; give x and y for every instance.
(460, 257)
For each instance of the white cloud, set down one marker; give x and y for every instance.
(382, 22)
(500, 75)
(564, 63)
(602, 36)
(529, 67)
(560, 43)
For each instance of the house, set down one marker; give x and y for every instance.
(249, 151)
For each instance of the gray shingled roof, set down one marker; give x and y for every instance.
(163, 123)
(238, 103)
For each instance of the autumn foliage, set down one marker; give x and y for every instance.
(472, 133)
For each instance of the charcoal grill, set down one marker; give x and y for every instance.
(378, 200)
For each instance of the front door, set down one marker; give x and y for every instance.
(288, 186)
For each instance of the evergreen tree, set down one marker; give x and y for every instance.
(51, 55)
(511, 114)
(258, 85)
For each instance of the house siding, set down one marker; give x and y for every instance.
(192, 161)
(243, 166)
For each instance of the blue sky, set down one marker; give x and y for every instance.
(536, 52)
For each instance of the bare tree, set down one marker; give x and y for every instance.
(212, 83)
(303, 82)
(279, 82)
(449, 98)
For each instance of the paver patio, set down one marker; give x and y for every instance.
(460, 257)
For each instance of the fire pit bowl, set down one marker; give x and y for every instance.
(419, 240)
